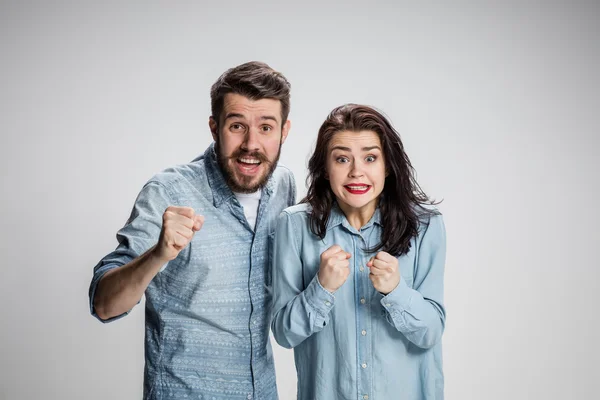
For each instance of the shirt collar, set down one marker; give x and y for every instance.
(337, 217)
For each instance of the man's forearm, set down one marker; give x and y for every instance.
(122, 288)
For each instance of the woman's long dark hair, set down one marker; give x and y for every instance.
(402, 201)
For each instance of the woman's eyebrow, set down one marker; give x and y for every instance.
(340, 148)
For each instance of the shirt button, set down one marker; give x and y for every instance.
(249, 397)
(362, 301)
(364, 366)
(362, 269)
(387, 304)
(364, 333)
(255, 322)
(327, 303)
(366, 397)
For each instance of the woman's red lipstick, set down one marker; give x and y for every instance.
(357, 189)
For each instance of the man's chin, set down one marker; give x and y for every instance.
(241, 183)
(248, 184)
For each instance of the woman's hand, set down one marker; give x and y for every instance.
(385, 274)
(334, 268)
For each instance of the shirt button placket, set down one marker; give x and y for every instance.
(363, 332)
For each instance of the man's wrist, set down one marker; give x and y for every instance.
(155, 259)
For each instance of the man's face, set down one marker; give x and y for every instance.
(248, 140)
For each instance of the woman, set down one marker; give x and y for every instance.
(358, 269)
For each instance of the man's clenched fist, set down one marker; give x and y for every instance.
(178, 228)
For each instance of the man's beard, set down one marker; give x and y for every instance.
(244, 184)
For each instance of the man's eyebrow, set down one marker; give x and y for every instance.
(269, 117)
(237, 115)
(233, 115)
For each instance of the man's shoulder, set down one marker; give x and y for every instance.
(283, 182)
(283, 174)
(173, 178)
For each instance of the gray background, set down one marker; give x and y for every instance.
(497, 105)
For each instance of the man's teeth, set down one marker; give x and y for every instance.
(357, 187)
(249, 160)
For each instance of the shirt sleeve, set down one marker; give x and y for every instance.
(419, 312)
(139, 234)
(298, 311)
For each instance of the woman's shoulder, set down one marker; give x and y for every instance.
(299, 211)
(431, 220)
(427, 214)
(295, 218)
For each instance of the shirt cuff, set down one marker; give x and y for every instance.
(320, 300)
(94, 285)
(398, 299)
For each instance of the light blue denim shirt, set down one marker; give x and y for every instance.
(207, 312)
(358, 344)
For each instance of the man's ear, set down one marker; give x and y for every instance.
(214, 130)
(285, 130)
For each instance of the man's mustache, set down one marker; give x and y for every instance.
(253, 154)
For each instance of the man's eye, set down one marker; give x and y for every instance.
(267, 128)
(236, 127)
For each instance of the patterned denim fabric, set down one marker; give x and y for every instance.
(207, 312)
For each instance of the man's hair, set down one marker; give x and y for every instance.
(254, 80)
(402, 203)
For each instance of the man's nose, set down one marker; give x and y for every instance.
(250, 142)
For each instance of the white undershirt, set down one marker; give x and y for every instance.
(249, 202)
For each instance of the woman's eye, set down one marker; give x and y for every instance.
(341, 160)
(370, 159)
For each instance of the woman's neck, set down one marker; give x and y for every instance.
(358, 217)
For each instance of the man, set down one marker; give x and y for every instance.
(197, 244)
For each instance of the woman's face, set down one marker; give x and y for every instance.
(356, 170)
